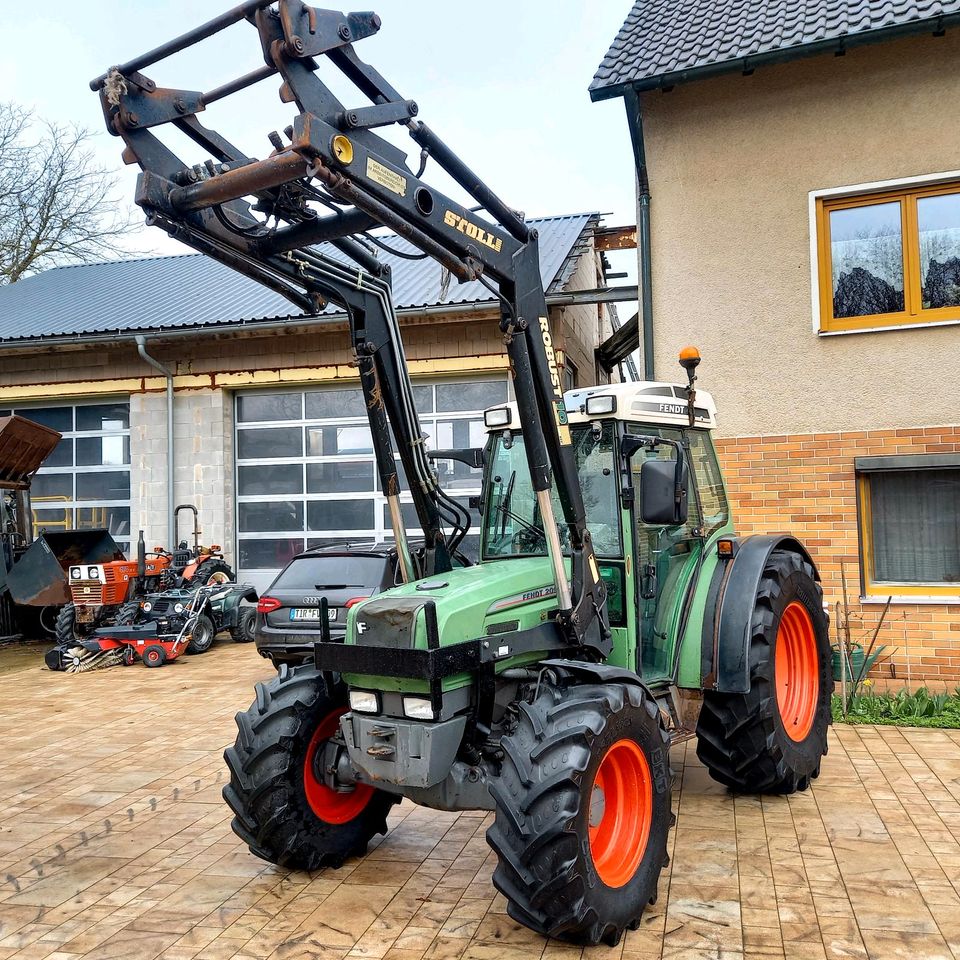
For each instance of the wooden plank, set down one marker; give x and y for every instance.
(616, 238)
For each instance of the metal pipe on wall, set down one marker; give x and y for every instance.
(168, 373)
(631, 100)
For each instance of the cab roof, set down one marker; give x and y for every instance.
(650, 402)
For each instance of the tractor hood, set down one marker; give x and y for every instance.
(487, 599)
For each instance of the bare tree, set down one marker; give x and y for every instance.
(56, 202)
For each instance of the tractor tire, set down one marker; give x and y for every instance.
(245, 630)
(154, 656)
(283, 813)
(66, 627)
(210, 572)
(772, 739)
(582, 811)
(127, 614)
(204, 633)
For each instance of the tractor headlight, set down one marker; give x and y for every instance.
(600, 404)
(178, 608)
(417, 708)
(146, 606)
(76, 573)
(93, 573)
(498, 417)
(364, 701)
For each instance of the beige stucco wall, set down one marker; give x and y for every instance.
(732, 162)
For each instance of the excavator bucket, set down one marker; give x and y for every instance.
(39, 577)
(24, 445)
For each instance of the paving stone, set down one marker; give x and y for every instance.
(116, 845)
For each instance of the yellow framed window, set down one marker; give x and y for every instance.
(889, 259)
(909, 525)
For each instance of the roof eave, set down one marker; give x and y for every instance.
(775, 57)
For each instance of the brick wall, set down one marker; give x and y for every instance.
(805, 484)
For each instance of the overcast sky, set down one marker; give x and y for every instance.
(504, 83)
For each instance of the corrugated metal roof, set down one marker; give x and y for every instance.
(676, 39)
(191, 290)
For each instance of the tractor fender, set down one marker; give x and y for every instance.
(726, 625)
(597, 672)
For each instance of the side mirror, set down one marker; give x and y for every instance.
(663, 492)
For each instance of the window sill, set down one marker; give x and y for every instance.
(885, 328)
(876, 599)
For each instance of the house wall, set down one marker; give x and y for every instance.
(732, 162)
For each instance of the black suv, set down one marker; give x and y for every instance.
(288, 614)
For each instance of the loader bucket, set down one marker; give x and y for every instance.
(39, 577)
(24, 445)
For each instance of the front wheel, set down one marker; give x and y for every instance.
(582, 810)
(284, 811)
(772, 738)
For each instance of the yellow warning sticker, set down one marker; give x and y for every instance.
(386, 177)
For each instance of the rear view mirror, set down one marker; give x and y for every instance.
(663, 492)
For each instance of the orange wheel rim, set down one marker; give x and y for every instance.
(621, 810)
(797, 670)
(326, 803)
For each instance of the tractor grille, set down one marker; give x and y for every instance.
(112, 591)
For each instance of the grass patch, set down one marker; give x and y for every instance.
(902, 709)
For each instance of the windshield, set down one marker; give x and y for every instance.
(513, 526)
(330, 572)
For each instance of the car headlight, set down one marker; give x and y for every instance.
(146, 606)
(364, 701)
(178, 608)
(417, 708)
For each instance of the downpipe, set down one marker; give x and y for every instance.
(168, 373)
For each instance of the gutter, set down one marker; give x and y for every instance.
(171, 474)
(837, 45)
(571, 298)
(631, 101)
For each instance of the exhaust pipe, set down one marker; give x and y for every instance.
(141, 561)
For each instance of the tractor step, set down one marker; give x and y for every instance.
(675, 718)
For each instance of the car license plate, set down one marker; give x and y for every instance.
(311, 613)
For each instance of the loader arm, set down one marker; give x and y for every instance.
(260, 217)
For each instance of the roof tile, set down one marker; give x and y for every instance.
(664, 37)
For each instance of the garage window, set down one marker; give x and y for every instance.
(306, 473)
(910, 524)
(85, 482)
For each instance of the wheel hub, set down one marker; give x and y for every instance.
(621, 813)
(797, 671)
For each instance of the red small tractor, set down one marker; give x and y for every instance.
(108, 594)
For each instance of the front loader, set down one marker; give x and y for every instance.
(547, 682)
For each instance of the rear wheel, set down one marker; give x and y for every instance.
(203, 635)
(211, 572)
(772, 739)
(244, 631)
(284, 811)
(583, 811)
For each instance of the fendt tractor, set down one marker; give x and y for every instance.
(547, 682)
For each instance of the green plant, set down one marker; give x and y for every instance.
(901, 708)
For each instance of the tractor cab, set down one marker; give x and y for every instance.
(654, 499)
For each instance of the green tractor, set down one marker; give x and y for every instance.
(446, 690)
(612, 600)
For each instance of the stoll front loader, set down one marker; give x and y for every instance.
(547, 681)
